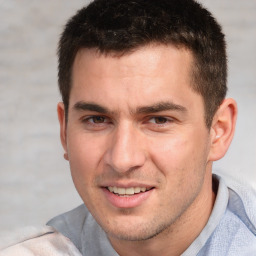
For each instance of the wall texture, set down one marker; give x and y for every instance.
(35, 182)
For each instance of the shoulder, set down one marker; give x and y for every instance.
(76, 216)
(82, 229)
(242, 202)
(43, 241)
(235, 234)
(71, 224)
(241, 198)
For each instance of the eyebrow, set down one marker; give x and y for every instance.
(91, 107)
(157, 107)
(160, 106)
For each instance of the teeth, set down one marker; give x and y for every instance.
(143, 189)
(127, 191)
(137, 190)
(121, 191)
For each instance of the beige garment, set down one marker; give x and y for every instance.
(44, 241)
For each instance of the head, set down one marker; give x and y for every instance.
(144, 115)
(119, 27)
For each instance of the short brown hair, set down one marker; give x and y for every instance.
(121, 26)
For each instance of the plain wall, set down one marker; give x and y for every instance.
(35, 182)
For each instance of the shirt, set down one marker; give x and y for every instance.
(230, 229)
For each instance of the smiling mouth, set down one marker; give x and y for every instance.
(128, 191)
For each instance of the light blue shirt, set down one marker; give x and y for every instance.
(230, 231)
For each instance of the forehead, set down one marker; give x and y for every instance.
(136, 78)
(158, 57)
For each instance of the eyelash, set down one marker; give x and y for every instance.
(150, 121)
(87, 120)
(161, 118)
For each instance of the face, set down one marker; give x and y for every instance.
(136, 139)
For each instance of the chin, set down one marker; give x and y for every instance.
(136, 231)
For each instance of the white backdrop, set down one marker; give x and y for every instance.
(35, 182)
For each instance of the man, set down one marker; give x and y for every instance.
(143, 118)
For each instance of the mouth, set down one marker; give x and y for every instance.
(126, 192)
(128, 196)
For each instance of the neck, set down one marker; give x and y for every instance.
(176, 238)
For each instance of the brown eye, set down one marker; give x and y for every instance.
(98, 119)
(160, 120)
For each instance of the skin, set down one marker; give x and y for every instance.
(133, 121)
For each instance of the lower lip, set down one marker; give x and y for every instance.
(127, 201)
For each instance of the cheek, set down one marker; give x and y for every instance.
(84, 157)
(170, 154)
(180, 158)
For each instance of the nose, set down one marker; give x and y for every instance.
(126, 150)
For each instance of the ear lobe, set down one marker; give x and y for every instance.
(223, 128)
(62, 122)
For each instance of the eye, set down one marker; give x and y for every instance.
(97, 119)
(96, 123)
(159, 120)
(160, 123)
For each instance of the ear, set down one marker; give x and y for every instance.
(63, 128)
(222, 129)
